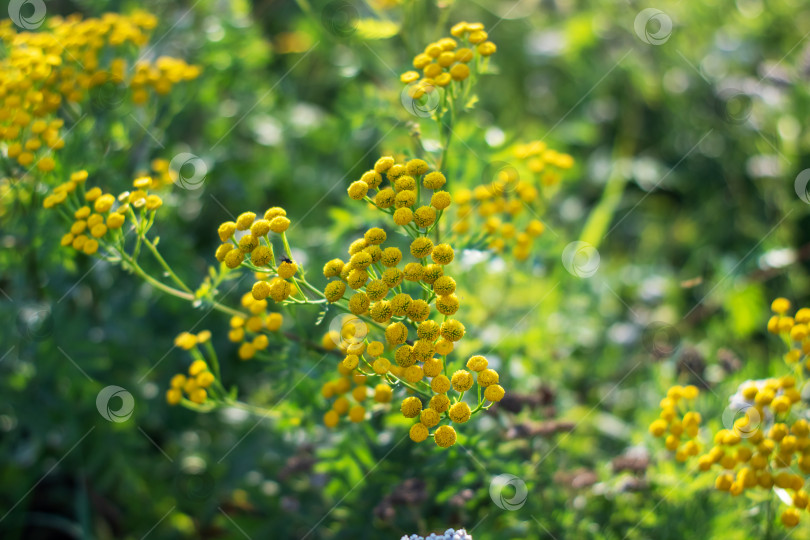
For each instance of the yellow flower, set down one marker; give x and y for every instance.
(452, 330)
(494, 392)
(442, 254)
(403, 216)
(334, 291)
(287, 269)
(383, 164)
(445, 436)
(418, 432)
(359, 303)
(440, 384)
(357, 190)
(333, 268)
(411, 407)
(226, 230)
(780, 306)
(421, 247)
(440, 200)
(260, 228)
(279, 224)
(382, 393)
(477, 363)
(244, 221)
(439, 403)
(461, 380)
(273, 321)
(385, 198)
(459, 412)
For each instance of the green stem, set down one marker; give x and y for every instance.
(153, 248)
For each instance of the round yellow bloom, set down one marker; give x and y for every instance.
(440, 384)
(385, 198)
(418, 432)
(477, 363)
(433, 367)
(248, 243)
(104, 203)
(403, 216)
(487, 377)
(357, 190)
(421, 247)
(279, 224)
(403, 356)
(174, 396)
(333, 268)
(447, 305)
(780, 306)
(381, 311)
(287, 269)
(494, 392)
(439, 403)
(413, 271)
(445, 436)
(244, 221)
(418, 311)
(459, 72)
(440, 200)
(409, 77)
(392, 277)
(274, 321)
(460, 412)
(383, 393)
(359, 303)
(383, 164)
(396, 333)
(260, 290)
(334, 291)
(790, 517)
(357, 414)
(226, 230)
(424, 216)
(260, 228)
(487, 48)
(462, 380)
(411, 407)
(452, 330)
(260, 256)
(442, 254)
(350, 362)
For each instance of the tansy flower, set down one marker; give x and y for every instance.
(411, 407)
(413, 271)
(439, 403)
(421, 247)
(244, 221)
(445, 436)
(459, 412)
(358, 190)
(418, 432)
(461, 381)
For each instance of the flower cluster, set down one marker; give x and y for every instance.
(508, 205)
(677, 424)
(249, 240)
(250, 331)
(97, 217)
(400, 297)
(765, 444)
(444, 63)
(65, 63)
(352, 382)
(200, 380)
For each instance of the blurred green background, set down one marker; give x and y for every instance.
(687, 140)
